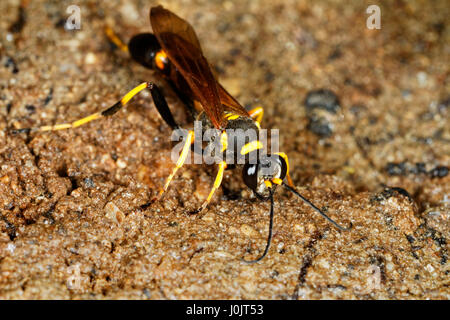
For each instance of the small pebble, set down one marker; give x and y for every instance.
(90, 58)
(249, 231)
(113, 213)
(89, 183)
(11, 247)
(121, 163)
(299, 227)
(5, 179)
(222, 254)
(422, 78)
(208, 217)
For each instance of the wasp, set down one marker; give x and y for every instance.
(174, 50)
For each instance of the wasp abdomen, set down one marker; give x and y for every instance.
(144, 48)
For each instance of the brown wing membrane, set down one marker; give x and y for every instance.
(231, 103)
(178, 40)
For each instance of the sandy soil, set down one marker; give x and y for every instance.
(74, 219)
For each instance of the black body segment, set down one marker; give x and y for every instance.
(143, 48)
(163, 107)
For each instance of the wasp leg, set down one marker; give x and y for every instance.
(180, 162)
(158, 99)
(162, 106)
(257, 114)
(217, 182)
(288, 176)
(112, 36)
(185, 100)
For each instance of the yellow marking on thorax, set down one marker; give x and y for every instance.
(161, 59)
(268, 183)
(231, 116)
(132, 93)
(251, 146)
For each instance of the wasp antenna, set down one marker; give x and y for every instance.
(317, 209)
(269, 238)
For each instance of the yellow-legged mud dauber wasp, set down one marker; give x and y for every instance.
(174, 50)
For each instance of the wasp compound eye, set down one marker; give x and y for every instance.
(283, 167)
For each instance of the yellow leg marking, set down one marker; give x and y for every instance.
(251, 146)
(181, 160)
(268, 184)
(71, 125)
(115, 39)
(86, 120)
(257, 114)
(288, 176)
(55, 127)
(133, 92)
(94, 116)
(217, 182)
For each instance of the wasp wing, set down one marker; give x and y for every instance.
(230, 103)
(178, 39)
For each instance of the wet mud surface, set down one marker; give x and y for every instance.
(363, 116)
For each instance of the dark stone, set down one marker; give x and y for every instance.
(439, 172)
(320, 126)
(323, 99)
